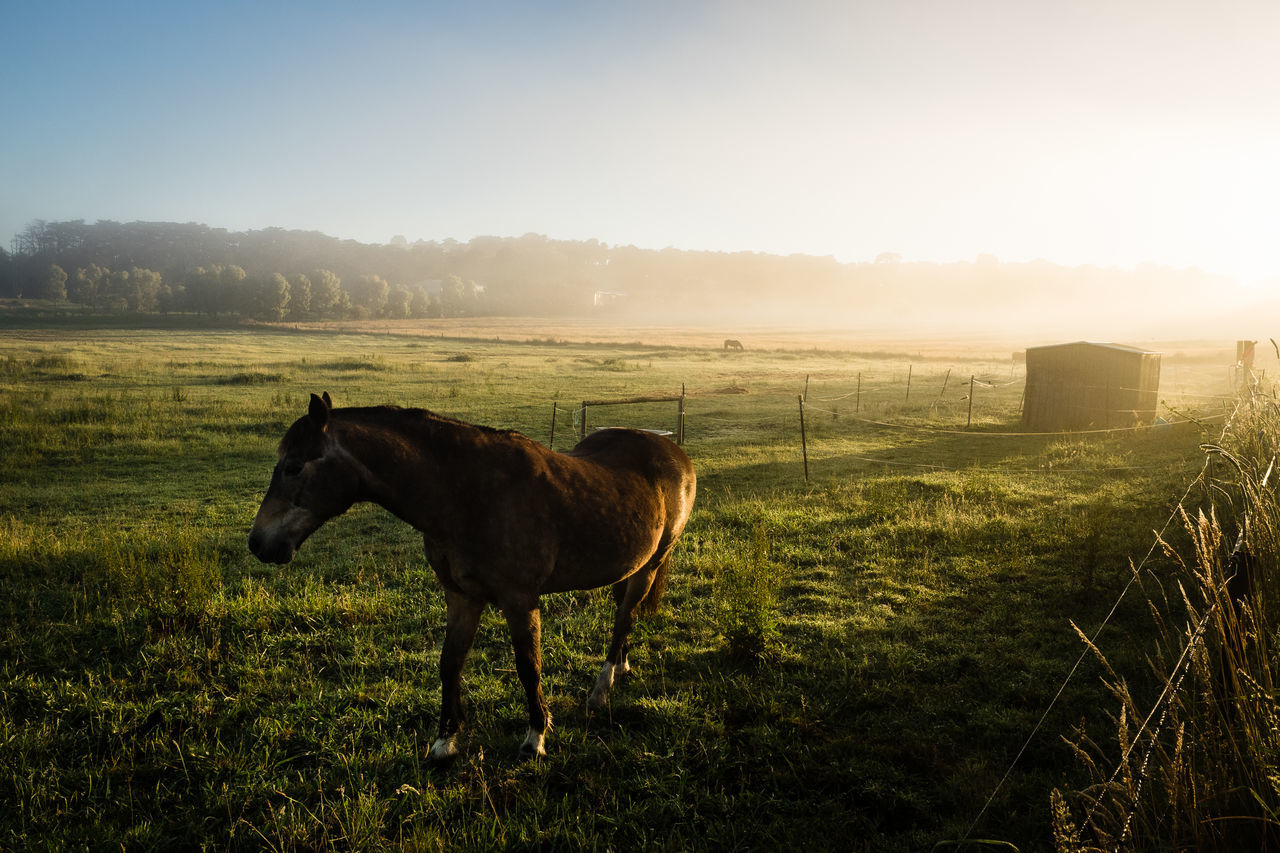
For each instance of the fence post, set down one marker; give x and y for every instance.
(804, 444)
(857, 401)
(554, 407)
(806, 387)
(582, 431)
(908, 400)
(680, 418)
(945, 380)
(969, 423)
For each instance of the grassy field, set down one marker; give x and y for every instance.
(850, 662)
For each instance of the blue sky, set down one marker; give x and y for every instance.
(1080, 132)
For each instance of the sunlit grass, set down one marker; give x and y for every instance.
(871, 645)
(1192, 760)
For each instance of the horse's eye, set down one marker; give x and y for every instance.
(292, 469)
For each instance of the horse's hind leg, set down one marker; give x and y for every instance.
(461, 622)
(628, 594)
(526, 640)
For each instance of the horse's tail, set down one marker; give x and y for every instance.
(649, 604)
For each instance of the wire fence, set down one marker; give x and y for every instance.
(840, 412)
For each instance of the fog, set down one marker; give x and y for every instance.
(1096, 136)
(295, 276)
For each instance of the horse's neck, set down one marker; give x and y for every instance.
(402, 462)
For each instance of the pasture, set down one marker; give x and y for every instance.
(850, 662)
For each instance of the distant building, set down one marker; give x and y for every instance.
(605, 298)
(1086, 385)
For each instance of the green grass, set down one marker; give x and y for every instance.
(1192, 758)
(850, 662)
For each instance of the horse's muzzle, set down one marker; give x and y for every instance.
(270, 549)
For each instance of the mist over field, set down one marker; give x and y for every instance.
(1040, 169)
(294, 276)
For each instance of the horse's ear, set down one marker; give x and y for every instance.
(328, 401)
(319, 410)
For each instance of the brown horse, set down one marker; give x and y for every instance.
(503, 520)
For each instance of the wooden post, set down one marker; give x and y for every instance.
(970, 421)
(804, 444)
(680, 419)
(806, 387)
(857, 401)
(908, 400)
(672, 398)
(945, 380)
(552, 444)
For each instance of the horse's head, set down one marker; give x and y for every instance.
(312, 482)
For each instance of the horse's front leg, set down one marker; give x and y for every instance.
(461, 621)
(526, 639)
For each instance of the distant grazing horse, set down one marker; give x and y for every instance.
(730, 343)
(503, 520)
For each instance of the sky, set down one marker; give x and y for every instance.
(1104, 132)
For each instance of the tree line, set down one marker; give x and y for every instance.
(278, 274)
(72, 262)
(218, 290)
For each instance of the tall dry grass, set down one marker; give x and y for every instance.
(1195, 763)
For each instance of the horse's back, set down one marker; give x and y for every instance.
(657, 460)
(647, 453)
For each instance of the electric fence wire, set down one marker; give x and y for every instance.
(975, 434)
(1092, 645)
(952, 469)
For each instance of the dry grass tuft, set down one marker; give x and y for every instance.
(1198, 765)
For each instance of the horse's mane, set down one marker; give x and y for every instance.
(401, 417)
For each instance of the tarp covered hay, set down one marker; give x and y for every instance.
(1090, 386)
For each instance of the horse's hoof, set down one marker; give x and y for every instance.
(600, 692)
(444, 750)
(534, 746)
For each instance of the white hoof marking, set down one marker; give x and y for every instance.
(534, 744)
(600, 693)
(444, 748)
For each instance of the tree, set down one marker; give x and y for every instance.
(6, 273)
(215, 289)
(87, 282)
(420, 303)
(459, 298)
(398, 302)
(139, 288)
(273, 297)
(327, 295)
(202, 289)
(230, 285)
(370, 295)
(113, 296)
(54, 285)
(299, 297)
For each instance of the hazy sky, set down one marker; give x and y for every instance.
(1107, 132)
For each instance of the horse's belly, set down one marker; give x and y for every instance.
(605, 561)
(575, 577)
